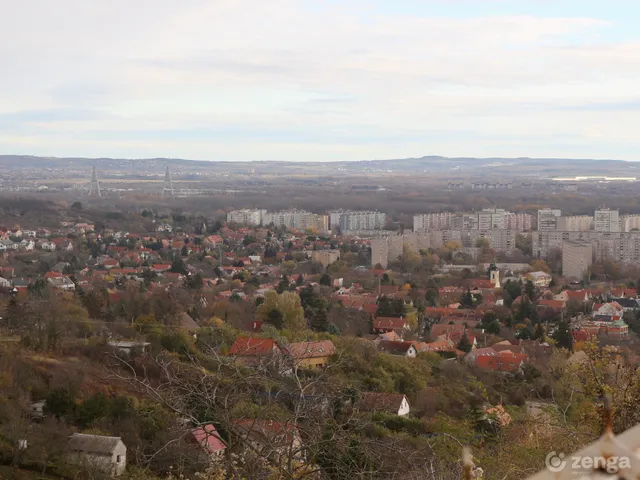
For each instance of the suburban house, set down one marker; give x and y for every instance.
(107, 454)
(209, 441)
(503, 361)
(310, 354)
(401, 349)
(62, 282)
(390, 324)
(395, 403)
(270, 437)
(539, 279)
(127, 347)
(627, 304)
(253, 349)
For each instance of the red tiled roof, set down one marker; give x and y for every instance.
(300, 350)
(252, 346)
(389, 323)
(208, 438)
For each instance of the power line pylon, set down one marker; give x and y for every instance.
(94, 186)
(168, 184)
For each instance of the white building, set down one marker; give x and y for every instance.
(577, 257)
(300, 219)
(629, 223)
(575, 223)
(246, 216)
(432, 221)
(107, 454)
(362, 220)
(606, 220)
(547, 218)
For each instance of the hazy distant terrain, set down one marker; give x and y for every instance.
(504, 167)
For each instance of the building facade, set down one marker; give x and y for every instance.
(575, 223)
(547, 219)
(577, 257)
(362, 220)
(246, 216)
(606, 220)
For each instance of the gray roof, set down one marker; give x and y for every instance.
(81, 442)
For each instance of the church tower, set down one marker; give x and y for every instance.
(494, 275)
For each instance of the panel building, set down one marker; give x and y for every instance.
(432, 221)
(246, 216)
(547, 219)
(577, 257)
(606, 220)
(299, 219)
(575, 223)
(353, 220)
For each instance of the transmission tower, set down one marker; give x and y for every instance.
(94, 186)
(168, 184)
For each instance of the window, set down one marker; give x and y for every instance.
(119, 459)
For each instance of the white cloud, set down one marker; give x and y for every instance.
(295, 79)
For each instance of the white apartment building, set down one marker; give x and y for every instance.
(520, 222)
(577, 257)
(618, 246)
(575, 223)
(300, 219)
(362, 220)
(432, 221)
(334, 219)
(629, 223)
(606, 220)
(492, 218)
(547, 218)
(246, 216)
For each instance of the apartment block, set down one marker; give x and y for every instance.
(606, 220)
(299, 219)
(520, 222)
(577, 257)
(432, 221)
(325, 257)
(547, 219)
(575, 223)
(621, 247)
(389, 248)
(246, 216)
(362, 220)
(629, 223)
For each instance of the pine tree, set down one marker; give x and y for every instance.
(465, 344)
(562, 336)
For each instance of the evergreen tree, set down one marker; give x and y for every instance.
(325, 280)
(465, 344)
(466, 300)
(315, 309)
(562, 336)
(283, 285)
(178, 266)
(275, 318)
(538, 332)
(530, 290)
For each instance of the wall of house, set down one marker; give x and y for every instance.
(404, 408)
(317, 362)
(106, 463)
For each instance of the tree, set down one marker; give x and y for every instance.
(274, 317)
(60, 402)
(466, 300)
(540, 266)
(493, 327)
(178, 266)
(465, 344)
(431, 297)
(562, 336)
(288, 303)
(315, 309)
(530, 290)
(325, 280)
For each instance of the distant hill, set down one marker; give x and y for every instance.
(505, 166)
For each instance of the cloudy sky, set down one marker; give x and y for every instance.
(320, 79)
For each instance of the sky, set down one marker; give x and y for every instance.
(320, 80)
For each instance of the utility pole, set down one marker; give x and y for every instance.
(168, 184)
(94, 186)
